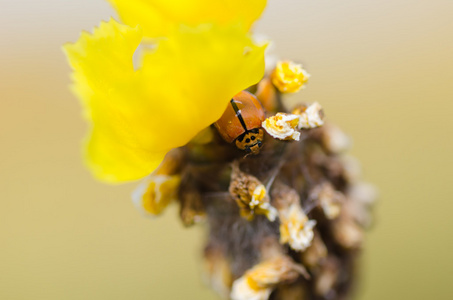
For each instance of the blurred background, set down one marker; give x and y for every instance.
(383, 70)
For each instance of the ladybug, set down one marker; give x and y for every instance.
(241, 122)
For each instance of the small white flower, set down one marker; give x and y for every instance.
(258, 282)
(243, 291)
(311, 117)
(282, 126)
(295, 227)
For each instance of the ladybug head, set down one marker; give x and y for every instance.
(251, 140)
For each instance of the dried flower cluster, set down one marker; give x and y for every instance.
(286, 223)
(177, 92)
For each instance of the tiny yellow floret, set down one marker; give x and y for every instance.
(282, 126)
(155, 193)
(295, 227)
(258, 282)
(289, 77)
(260, 203)
(250, 195)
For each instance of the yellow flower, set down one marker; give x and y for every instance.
(159, 17)
(289, 77)
(183, 84)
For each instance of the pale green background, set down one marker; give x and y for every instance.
(383, 70)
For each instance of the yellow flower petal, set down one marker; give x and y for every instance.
(159, 17)
(183, 86)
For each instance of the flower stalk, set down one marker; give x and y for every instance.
(200, 122)
(286, 223)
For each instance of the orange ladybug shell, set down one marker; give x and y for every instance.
(251, 111)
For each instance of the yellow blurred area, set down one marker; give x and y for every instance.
(383, 70)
